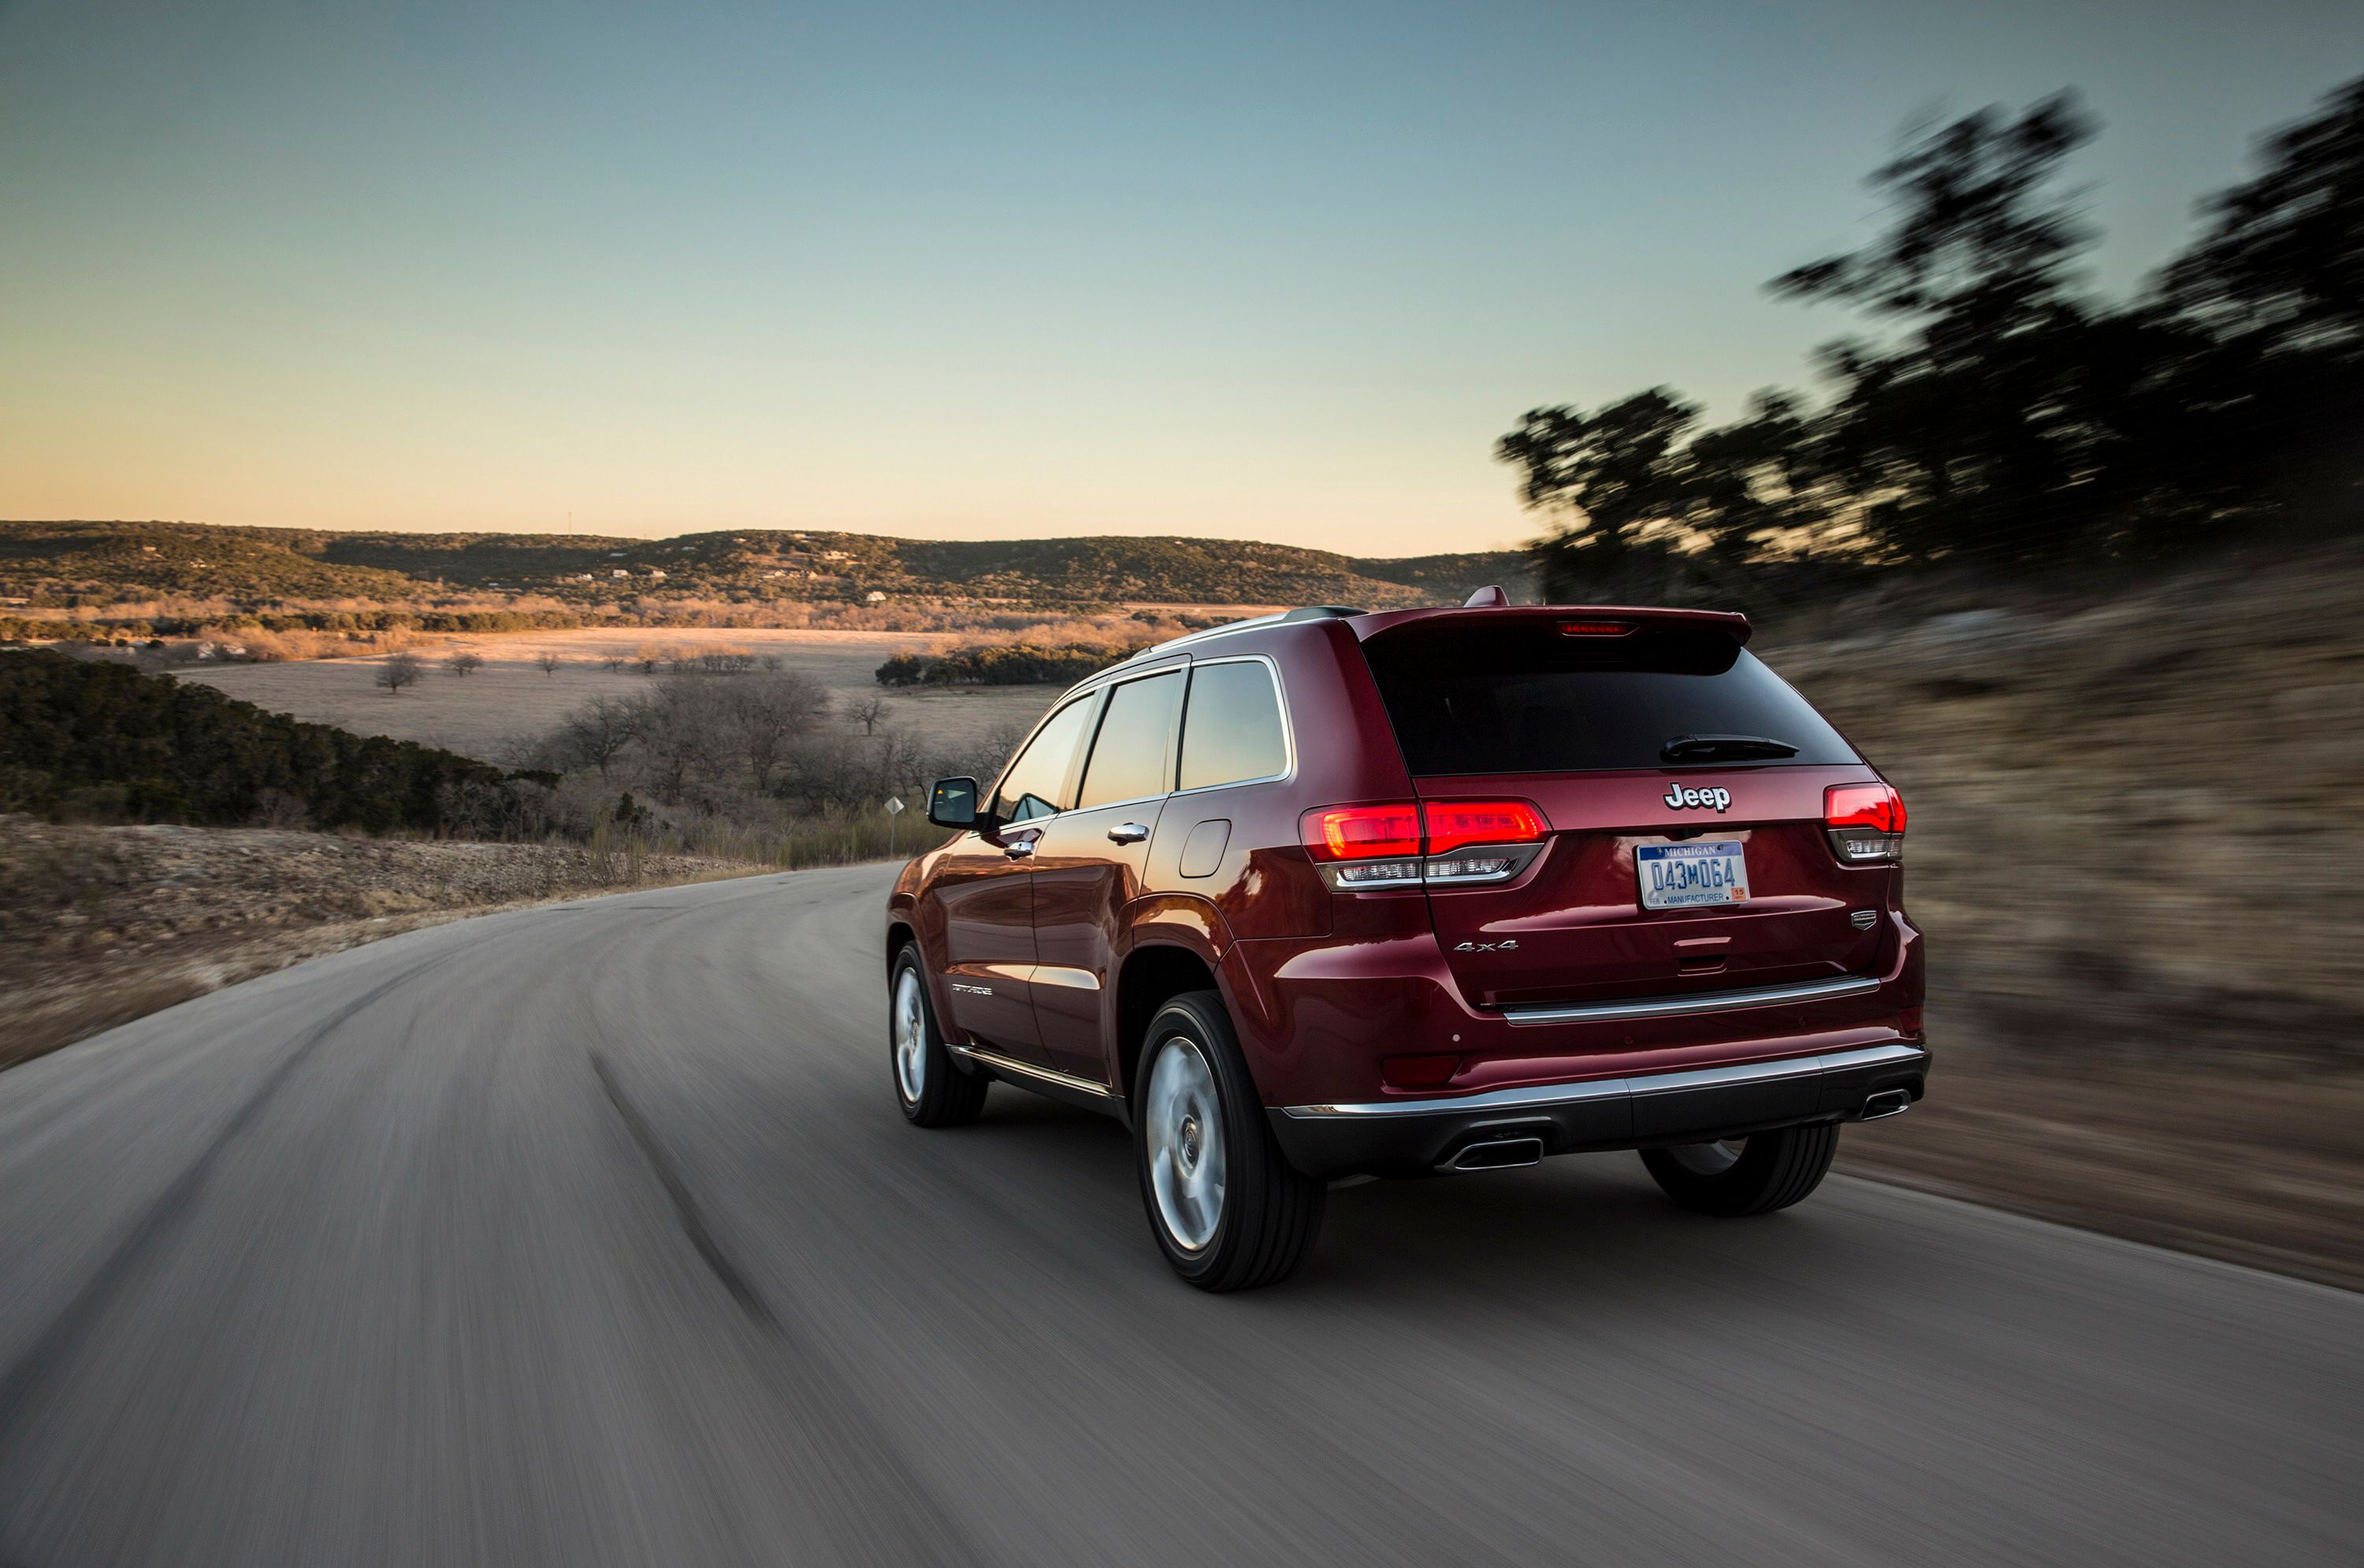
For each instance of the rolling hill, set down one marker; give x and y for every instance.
(85, 564)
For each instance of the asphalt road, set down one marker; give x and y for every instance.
(590, 1234)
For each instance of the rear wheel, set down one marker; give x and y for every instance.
(932, 1090)
(1228, 1209)
(1745, 1175)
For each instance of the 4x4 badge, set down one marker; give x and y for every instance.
(1510, 945)
(1678, 798)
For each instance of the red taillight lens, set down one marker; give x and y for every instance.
(1874, 806)
(1361, 833)
(1595, 627)
(1378, 832)
(1454, 823)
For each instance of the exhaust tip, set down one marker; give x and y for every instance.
(1498, 1154)
(1887, 1102)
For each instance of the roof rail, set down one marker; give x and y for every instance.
(1304, 612)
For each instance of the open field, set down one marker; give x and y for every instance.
(510, 699)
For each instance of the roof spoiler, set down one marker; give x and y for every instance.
(1575, 620)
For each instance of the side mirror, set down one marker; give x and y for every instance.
(952, 803)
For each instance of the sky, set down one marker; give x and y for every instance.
(1279, 271)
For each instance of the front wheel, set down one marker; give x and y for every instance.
(1747, 1176)
(1228, 1209)
(930, 1089)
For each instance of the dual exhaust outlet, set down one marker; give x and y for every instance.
(1510, 1153)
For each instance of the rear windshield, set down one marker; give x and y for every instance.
(1521, 699)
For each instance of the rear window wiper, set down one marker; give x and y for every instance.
(1706, 747)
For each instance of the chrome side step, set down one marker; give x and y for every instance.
(1696, 1001)
(1001, 1064)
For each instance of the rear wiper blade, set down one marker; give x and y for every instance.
(1701, 747)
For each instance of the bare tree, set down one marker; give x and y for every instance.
(464, 663)
(867, 713)
(599, 732)
(612, 662)
(548, 662)
(771, 712)
(398, 671)
(685, 730)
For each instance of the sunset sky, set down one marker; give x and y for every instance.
(1275, 271)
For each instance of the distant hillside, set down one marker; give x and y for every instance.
(70, 564)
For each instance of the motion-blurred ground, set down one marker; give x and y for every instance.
(2133, 847)
(99, 925)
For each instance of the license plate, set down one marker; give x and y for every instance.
(1685, 876)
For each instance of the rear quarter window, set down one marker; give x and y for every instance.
(1521, 699)
(1231, 728)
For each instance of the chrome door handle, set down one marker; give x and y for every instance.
(1019, 848)
(1128, 833)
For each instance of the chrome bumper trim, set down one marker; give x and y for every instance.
(1001, 1064)
(1698, 1002)
(1536, 1096)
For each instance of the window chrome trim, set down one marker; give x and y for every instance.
(1539, 1096)
(1697, 1002)
(1107, 690)
(1288, 726)
(1001, 1064)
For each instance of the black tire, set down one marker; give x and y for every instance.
(1771, 1170)
(1265, 1215)
(932, 1089)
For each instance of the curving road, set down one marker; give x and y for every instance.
(589, 1234)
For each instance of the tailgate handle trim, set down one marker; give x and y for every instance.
(1697, 1002)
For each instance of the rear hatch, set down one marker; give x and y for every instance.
(1658, 749)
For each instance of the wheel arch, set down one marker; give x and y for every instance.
(1154, 974)
(901, 932)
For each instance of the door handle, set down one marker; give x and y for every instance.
(1128, 833)
(1019, 848)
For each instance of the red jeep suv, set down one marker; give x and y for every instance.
(1329, 894)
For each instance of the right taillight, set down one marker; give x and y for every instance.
(1865, 823)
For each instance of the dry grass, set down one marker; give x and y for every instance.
(99, 925)
(511, 699)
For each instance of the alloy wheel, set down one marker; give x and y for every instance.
(1182, 1124)
(910, 1035)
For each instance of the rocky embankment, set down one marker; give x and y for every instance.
(101, 924)
(2132, 848)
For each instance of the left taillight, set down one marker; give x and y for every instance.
(1409, 843)
(1865, 823)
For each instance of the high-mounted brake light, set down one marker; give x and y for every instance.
(1595, 627)
(1360, 846)
(1865, 823)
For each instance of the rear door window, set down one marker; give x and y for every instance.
(1035, 785)
(1132, 756)
(1231, 731)
(1521, 697)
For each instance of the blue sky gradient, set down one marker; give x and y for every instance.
(1274, 272)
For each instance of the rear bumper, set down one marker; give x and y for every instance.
(1403, 1137)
